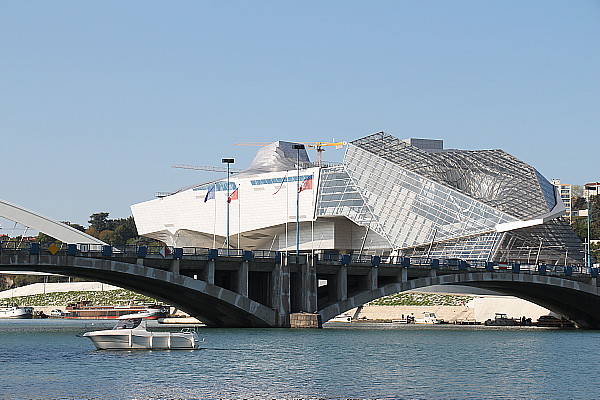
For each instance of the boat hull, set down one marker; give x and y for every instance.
(16, 313)
(143, 340)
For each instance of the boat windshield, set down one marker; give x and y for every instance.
(129, 323)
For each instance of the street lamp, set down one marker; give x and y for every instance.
(227, 161)
(589, 241)
(298, 147)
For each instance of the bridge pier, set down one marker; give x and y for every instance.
(174, 266)
(280, 292)
(372, 278)
(403, 276)
(208, 274)
(341, 283)
(242, 279)
(308, 273)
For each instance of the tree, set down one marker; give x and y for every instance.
(107, 236)
(125, 230)
(93, 232)
(113, 231)
(578, 203)
(100, 221)
(579, 224)
(42, 237)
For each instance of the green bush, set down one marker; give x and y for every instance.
(99, 298)
(421, 299)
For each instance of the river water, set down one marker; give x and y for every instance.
(44, 359)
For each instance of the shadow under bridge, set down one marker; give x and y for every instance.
(570, 291)
(171, 280)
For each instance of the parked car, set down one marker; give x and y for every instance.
(57, 313)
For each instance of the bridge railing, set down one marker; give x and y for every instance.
(230, 252)
(170, 252)
(265, 254)
(361, 259)
(329, 258)
(196, 251)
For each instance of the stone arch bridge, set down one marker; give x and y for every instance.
(235, 288)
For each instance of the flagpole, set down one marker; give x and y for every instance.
(314, 216)
(227, 161)
(215, 226)
(239, 216)
(287, 212)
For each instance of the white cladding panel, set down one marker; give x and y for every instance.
(261, 204)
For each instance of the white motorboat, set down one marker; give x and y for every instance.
(428, 318)
(15, 312)
(130, 333)
(341, 318)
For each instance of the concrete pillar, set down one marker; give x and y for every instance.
(174, 268)
(403, 275)
(309, 286)
(242, 279)
(372, 279)
(341, 283)
(280, 292)
(209, 275)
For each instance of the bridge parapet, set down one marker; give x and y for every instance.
(331, 259)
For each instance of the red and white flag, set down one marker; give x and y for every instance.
(233, 196)
(306, 184)
(165, 251)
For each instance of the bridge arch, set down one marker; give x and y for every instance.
(40, 223)
(578, 301)
(212, 304)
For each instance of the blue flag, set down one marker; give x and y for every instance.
(210, 194)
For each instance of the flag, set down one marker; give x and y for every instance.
(165, 251)
(280, 186)
(306, 184)
(210, 194)
(233, 196)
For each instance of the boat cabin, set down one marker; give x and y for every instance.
(129, 323)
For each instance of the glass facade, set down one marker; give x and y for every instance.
(338, 196)
(446, 203)
(493, 177)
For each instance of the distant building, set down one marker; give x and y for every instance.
(565, 194)
(591, 189)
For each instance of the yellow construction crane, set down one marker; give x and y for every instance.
(205, 168)
(318, 146)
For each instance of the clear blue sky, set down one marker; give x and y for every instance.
(98, 99)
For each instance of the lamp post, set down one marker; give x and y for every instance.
(227, 161)
(589, 249)
(298, 147)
